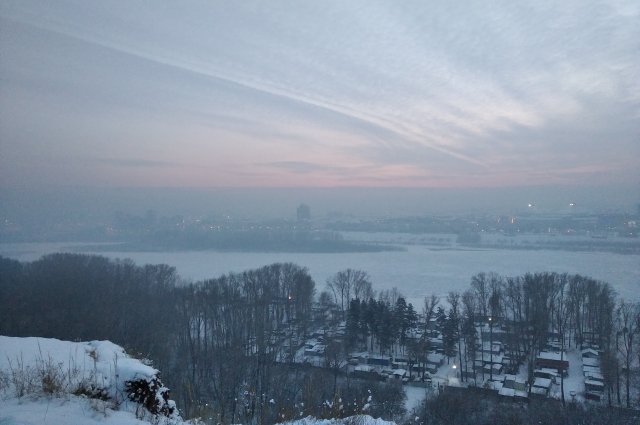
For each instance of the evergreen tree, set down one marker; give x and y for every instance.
(353, 324)
(386, 327)
(371, 318)
(364, 322)
(412, 317)
(400, 320)
(450, 334)
(441, 319)
(470, 336)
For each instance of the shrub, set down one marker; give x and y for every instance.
(152, 395)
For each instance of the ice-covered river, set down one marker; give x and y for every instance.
(416, 272)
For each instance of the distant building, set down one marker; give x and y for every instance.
(303, 212)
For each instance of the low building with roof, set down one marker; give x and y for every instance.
(513, 394)
(587, 361)
(367, 372)
(593, 385)
(379, 361)
(399, 374)
(541, 386)
(547, 373)
(493, 369)
(515, 382)
(589, 353)
(587, 370)
(594, 376)
(553, 360)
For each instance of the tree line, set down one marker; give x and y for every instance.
(225, 346)
(469, 407)
(572, 310)
(377, 323)
(528, 311)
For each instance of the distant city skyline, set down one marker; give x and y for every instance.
(320, 94)
(79, 204)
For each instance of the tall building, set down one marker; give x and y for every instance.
(303, 212)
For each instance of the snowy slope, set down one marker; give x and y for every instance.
(352, 420)
(46, 380)
(99, 362)
(69, 410)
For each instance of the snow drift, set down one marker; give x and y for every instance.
(65, 375)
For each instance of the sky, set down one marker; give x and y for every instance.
(420, 94)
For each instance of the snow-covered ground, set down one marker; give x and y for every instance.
(359, 420)
(415, 397)
(76, 411)
(68, 410)
(48, 381)
(447, 374)
(574, 381)
(102, 363)
(40, 379)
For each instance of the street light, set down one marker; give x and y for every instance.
(453, 367)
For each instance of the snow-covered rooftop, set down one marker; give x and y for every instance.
(542, 383)
(589, 351)
(552, 355)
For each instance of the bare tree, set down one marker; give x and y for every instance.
(454, 301)
(335, 360)
(429, 310)
(326, 299)
(362, 287)
(496, 284)
(626, 328)
(562, 316)
(390, 296)
(480, 286)
(469, 330)
(347, 282)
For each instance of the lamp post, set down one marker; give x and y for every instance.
(453, 369)
(291, 357)
(491, 347)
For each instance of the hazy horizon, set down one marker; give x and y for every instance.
(102, 203)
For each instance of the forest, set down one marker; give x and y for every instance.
(216, 341)
(528, 312)
(226, 346)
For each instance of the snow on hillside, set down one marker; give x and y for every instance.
(48, 381)
(70, 410)
(352, 420)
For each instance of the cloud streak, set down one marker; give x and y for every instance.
(137, 163)
(487, 93)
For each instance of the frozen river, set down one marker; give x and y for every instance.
(416, 272)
